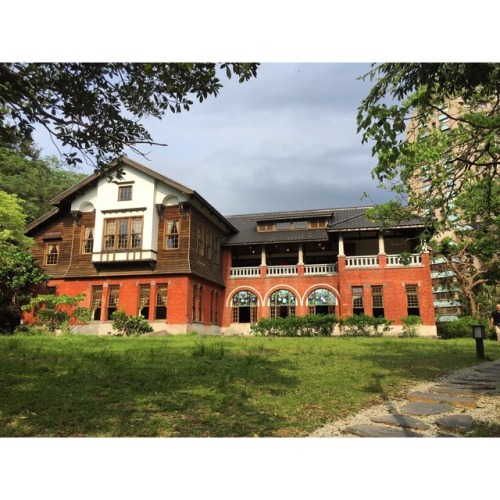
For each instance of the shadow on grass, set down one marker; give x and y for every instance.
(117, 387)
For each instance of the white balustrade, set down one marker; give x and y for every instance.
(244, 272)
(413, 260)
(320, 269)
(362, 261)
(282, 270)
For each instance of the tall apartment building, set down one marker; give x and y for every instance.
(154, 247)
(446, 299)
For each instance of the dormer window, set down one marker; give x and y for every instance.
(124, 193)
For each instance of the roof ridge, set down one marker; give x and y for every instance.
(283, 212)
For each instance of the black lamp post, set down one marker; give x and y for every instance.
(478, 333)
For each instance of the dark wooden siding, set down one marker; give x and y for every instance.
(175, 260)
(200, 264)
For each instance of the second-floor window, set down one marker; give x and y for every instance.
(88, 239)
(124, 193)
(51, 253)
(172, 240)
(123, 234)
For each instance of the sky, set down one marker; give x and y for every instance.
(285, 140)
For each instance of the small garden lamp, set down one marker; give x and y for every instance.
(478, 333)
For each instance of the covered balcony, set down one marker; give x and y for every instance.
(281, 259)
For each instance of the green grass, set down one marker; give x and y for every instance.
(192, 386)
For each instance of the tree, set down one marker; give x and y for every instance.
(403, 99)
(471, 251)
(19, 270)
(96, 109)
(34, 180)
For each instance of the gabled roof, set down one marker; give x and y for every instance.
(73, 191)
(339, 219)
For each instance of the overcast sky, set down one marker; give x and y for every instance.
(285, 140)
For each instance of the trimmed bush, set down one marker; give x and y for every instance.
(130, 325)
(296, 326)
(363, 325)
(460, 328)
(411, 326)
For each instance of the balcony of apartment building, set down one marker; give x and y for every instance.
(325, 258)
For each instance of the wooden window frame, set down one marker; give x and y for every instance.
(49, 255)
(113, 300)
(144, 299)
(116, 234)
(171, 236)
(161, 300)
(125, 193)
(86, 240)
(96, 294)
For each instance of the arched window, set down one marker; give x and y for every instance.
(244, 306)
(321, 301)
(282, 304)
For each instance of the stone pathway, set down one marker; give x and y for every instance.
(443, 409)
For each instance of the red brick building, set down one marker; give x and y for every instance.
(151, 246)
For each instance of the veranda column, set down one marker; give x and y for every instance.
(300, 263)
(263, 261)
(341, 245)
(382, 256)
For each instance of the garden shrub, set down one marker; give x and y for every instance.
(31, 330)
(58, 312)
(130, 325)
(296, 326)
(411, 326)
(363, 325)
(460, 328)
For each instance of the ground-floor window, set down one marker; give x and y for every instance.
(197, 303)
(161, 302)
(282, 304)
(321, 301)
(378, 301)
(244, 307)
(358, 306)
(113, 291)
(96, 302)
(214, 307)
(413, 308)
(144, 291)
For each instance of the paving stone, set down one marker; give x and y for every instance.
(425, 408)
(368, 430)
(463, 391)
(401, 421)
(483, 386)
(455, 423)
(472, 383)
(465, 401)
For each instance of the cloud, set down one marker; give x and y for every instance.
(285, 140)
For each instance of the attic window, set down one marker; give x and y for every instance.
(124, 193)
(282, 226)
(300, 224)
(317, 224)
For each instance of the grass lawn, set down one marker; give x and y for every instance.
(193, 386)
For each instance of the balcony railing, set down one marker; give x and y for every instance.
(320, 269)
(244, 272)
(362, 261)
(282, 270)
(357, 262)
(396, 260)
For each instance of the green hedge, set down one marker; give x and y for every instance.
(296, 326)
(363, 325)
(461, 328)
